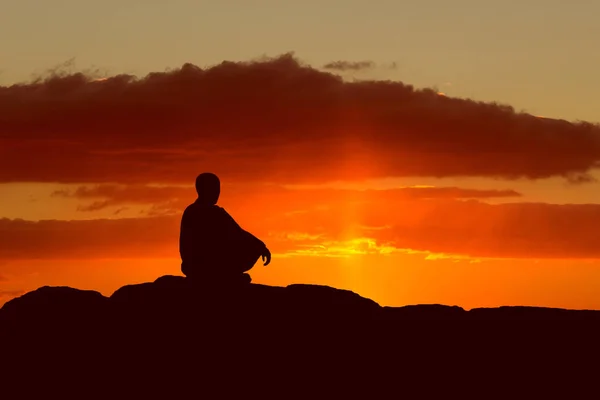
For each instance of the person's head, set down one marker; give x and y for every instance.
(208, 187)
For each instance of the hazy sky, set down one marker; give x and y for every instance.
(537, 55)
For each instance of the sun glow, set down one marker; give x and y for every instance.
(346, 248)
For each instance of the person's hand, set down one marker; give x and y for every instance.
(266, 257)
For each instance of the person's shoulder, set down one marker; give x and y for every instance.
(222, 212)
(189, 208)
(207, 209)
(219, 210)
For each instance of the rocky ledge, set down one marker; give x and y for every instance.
(299, 336)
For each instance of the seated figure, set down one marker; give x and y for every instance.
(213, 247)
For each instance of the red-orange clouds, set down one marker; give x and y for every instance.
(472, 228)
(88, 239)
(173, 198)
(275, 120)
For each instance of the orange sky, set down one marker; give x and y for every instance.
(399, 194)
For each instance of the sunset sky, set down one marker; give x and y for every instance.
(413, 152)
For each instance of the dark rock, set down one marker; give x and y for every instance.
(427, 312)
(52, 306)
(204, 336)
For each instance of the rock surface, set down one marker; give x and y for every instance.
(299, 337)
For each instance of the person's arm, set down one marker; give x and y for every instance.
(260, 245)
(232, 226)
(228, 221)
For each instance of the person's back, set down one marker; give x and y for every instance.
(212, 245)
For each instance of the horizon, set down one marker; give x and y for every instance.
(407, 176)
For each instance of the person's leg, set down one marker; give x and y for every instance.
(243, 257)
(245, 278)
(245, 260)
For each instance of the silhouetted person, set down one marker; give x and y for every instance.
(213, 247)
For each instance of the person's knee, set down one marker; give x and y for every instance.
(249, 262)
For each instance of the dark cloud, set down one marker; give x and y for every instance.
(461, 227)
(275, 120)
(163, 199)
(349, 65)
(175, 198)
(106, 238)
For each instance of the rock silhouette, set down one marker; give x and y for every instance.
(309, 339)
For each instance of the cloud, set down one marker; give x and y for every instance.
(3, 278)
(467, 228)
(163, 199)
(170, 199)
(443, 226)
(274, 120)
(349, 65)
(104, 238)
